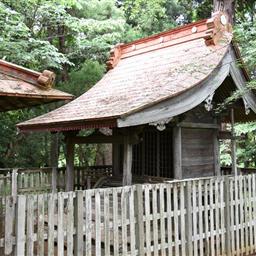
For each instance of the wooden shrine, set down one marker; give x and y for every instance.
(159, 99)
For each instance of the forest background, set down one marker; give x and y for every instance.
(73, 38)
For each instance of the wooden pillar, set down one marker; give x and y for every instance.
(216, 151)
(177, 153)
(127, 162)
(54, 149)
(116, 168)
(54, 158)
(70, 165)
(115, 159)
(233, 144)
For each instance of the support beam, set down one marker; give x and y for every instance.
(177, 153)
(100, 138)
(127, 164)
(233, 144)
(70, 165)
(198, 125)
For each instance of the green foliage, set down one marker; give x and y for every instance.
(18, 44)
(85, 77)
(151, 16)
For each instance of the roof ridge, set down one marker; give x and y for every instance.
(212, 30)
(44, 80)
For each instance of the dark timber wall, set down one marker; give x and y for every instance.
(197, 152)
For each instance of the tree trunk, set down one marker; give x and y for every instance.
(227, 6)
(62, 49)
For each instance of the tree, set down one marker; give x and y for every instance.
(59, 35)
(227, 6)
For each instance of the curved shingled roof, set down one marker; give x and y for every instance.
(144, 73)
(21, 87)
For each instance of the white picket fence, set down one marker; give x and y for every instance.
(215, 216)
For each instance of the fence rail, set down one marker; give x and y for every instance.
(215, 216)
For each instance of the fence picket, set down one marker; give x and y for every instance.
(30, 226)
(106, 223)
(217, 216)
(222, 217)
(40, 219)
(154, 215)
(241, 193)
(162, 219)
(115, 223)
(70, 223)
(254, 209)
(79, 223)
(132, 221)
(211, 219)
(51, 207)
(200, 218)
(88, 223)
(182, 220)
(60, 224)
(189, 228)
(20, 225)
(246, 216)
(206, 218)
(176, 219)
(124, 220)
(147, 220)
(250, 213)
(9, 218)
(169, 219)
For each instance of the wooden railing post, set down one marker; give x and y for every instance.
(14, 183)
(139, 230)
(227, 215)
(188, 219)
(54, 179)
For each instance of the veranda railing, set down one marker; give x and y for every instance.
(42, 180)
(215, 216)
